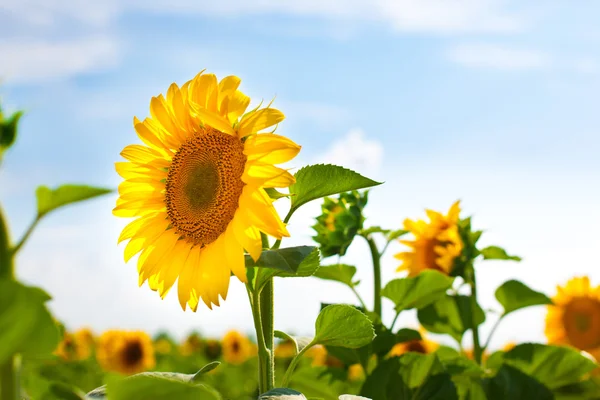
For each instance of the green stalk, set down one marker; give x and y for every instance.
(267, 316)
(263, 356)
(290, 370)
(477, 352)
(376, 256)
(10, 389)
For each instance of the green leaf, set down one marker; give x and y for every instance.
(291, 262)
(340, 273)
(344, 326)
(159, 386)
(51, 199)
(417, 292)
(514, 295)
(456, 364)
(585, 390)
(207, 368)
(64, 391)
(396, 234)
(450, 315)
(26, 325)
(510, 383)
(497, 253)
(8, 131)
(282, 394)
(316, 181)
(275, 194)
(553, 366)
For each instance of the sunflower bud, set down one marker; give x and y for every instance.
(340, 221)
(8, 130)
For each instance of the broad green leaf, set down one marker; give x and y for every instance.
(26, 325)
(415, 368)
(553, 366)
(514, 295)
(316, 181)
(344, 326)
(207, 368)
(158, 386)
(451, 315)
(282, 394)
(497, 253)
(437, 387)
(290, 262)
(468, 388)
(417, 292)
(456, 364)
(510, 383)
(51, 199)
(585, 390)
(396, 234)
(340, 273)
(64, 391)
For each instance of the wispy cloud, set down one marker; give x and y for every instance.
(39, 60)
(493, 56)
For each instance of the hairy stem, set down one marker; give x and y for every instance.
(376, 256)
(290, 370)
(477, 353)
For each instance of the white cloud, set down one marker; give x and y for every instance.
(355, 151)
(492, 56)
(30, 60)
(438, 16)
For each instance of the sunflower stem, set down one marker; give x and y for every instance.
(267, 316)
(376, 256)
(9, 371)
(26, 235)
(470, 278)
(260, 338)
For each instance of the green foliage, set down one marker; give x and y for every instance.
(339, 272)
(158, 386)
(300, 261)
(515, 295)
(417, 292)
(51, 199)
(553, 366)
(340, 220)
(497, 253)
(344, 326)
(511, 383)
(8, 131)
(204, 370)
(26, 325)
(300, 342)
(316, 181)
(450, 315)
(275, 194)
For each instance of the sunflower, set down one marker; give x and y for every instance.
(192, 344)
(125, 352)
(356, 372)
(285, 349)
(423, 346)
(318, 354)
(212, 349)
(574, 319)
(75, 346)
(163, 346)
(196, 188)
(437, 243)
(236, 347)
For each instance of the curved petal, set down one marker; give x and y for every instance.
(259, 120)
(270, 148)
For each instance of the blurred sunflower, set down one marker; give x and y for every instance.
(125, 352)
(356, 372)
(574, 319)
(509, 346)
(197, 188)
(192, 344)
(212, 349)
(318, 354)
(76, 346)
(163, 346)
(285, 349)
(236, 347)
(437, 243)
(423, 346)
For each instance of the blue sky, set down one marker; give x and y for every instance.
(488, 101)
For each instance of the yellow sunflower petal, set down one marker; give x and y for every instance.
(267, 175)
(270, 148)
(259, 120)
(237, 105)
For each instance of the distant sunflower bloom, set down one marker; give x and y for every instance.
(574, 319)
(197, 188)
(236, 347)
(75, 346)
(436, 243)
(163, 346)
(356, 372)
(212, 349)
(423, 346)
(192, 344)
(125, 352)
(285, 349)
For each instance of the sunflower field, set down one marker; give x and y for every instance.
(199, 189)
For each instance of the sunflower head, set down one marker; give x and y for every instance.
(436, 245)
(191, 345)
(285, 349)
(196, 188)
(423, 346)
(339, 222)
(318, 355)
(356, 372)
(126, 352)
(212, 349)
(163, 346)
(574, 318)
(237, 348)
(75, 346)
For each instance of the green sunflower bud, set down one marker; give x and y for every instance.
(340, 221)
